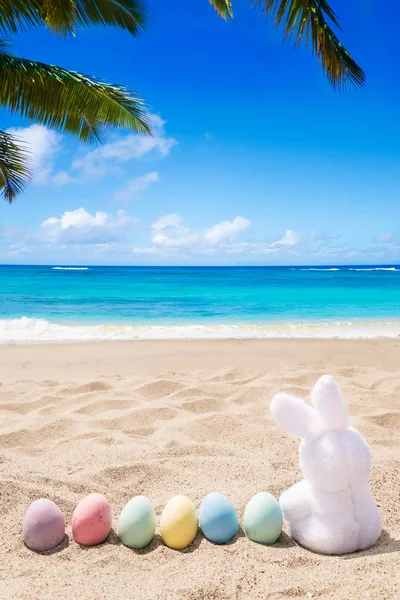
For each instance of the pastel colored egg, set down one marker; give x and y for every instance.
(178, 525)
(137, 523)
(91, 520)
(263, 519)
(218, 518)
(44, 525)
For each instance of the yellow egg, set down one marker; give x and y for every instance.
(178, 525)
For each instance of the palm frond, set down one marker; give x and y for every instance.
(68, 101)
(19, 14)
(223, 8)
(307, 21)
(15, 172)
(65, 16)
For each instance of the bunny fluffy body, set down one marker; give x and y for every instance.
(332, 510)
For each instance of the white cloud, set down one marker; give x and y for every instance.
(77, 218)
(101, 162)
(386, 238)
(144, 250)
(226, 230)
(135, 187)
(108, 158)
(80, 237)
(43, 144)
(62, 178)
(291, 238)
(320, 236)
(171, 220)
(13, 232)
(18, 249)
(81, 227)
(170, 232)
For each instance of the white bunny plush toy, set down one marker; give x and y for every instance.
(332, 510)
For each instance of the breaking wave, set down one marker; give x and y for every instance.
(30, 330)
(374, 269)
(346, 269)
(70, 268)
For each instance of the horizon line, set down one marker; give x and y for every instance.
(178, 266)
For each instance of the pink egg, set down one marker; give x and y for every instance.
(44, 525)
(91, 521)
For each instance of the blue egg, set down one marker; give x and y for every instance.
(218, 519)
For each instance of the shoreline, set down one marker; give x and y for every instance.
(27, 330)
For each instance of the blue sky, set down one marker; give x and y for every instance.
(255, 160)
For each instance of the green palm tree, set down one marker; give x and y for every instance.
(53, 96)
(308, 22)
(85, 107)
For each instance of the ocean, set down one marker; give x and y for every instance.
(59, 304)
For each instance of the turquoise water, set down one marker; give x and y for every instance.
(45, 303)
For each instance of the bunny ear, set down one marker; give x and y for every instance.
(327, 400)
(293, 415)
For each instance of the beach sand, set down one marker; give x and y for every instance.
(185, 417)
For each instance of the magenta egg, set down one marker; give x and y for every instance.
(44, 525)
(91, 521)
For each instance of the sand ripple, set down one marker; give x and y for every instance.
(203, 426)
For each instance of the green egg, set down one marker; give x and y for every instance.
(137, 523)
(263, 519)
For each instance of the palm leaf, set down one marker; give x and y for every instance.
(306, 21)
(66, 100)
(223, 8)
(15, 173)
(18, 14)
(65, 16)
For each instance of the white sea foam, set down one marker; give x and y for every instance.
(70, 268)
(28, 330)
(346, 269)
(374, 269)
